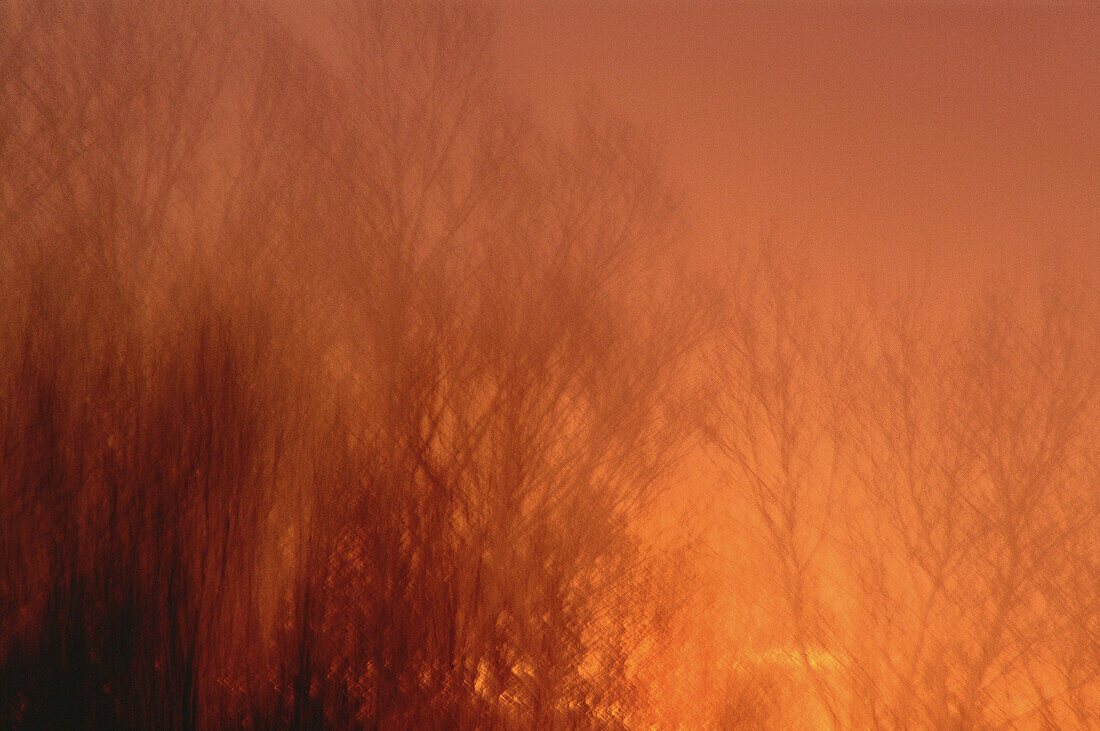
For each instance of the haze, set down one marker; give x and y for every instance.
(522, 365)
(897, 139)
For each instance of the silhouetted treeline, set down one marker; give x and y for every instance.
(916, 481)
(331, 393)
(335, 393)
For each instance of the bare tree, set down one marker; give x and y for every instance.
(979, 441)
(912, 478)
(522, 335)
(777, 422)
(334, 393)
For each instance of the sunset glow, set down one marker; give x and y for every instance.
(549, 365)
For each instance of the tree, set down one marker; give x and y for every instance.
(334, 392)
(978, 445)
(922, 483)
(778, 427)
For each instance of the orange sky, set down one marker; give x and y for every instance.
(947, 139)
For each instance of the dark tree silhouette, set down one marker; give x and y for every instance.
(333, 393)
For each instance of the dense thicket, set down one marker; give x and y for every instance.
(331, 392)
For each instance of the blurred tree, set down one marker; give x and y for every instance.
(977, 445)
(777, 423)
(334, 393)
(924, 488)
